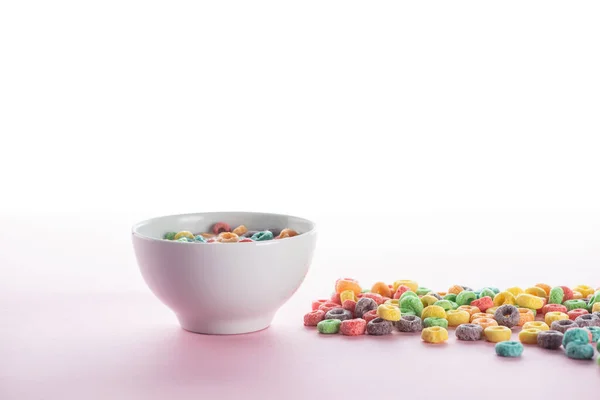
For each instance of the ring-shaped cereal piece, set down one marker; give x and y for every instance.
(596, 308)
(445, 304)
(379, 327)
(428, 300)
(408, 294)
(486, 292)
(497, 334)
(465, 298)
(536, 291)
(585, 290)
(525, 315)
(329, 305)
(573, 314)
(339, 313)
(552, 316)
(562, 325)
(469, 332)
(580, 351)
(515, 291)
(550, 340)
(457, 317)
(576, 335)
(412, 285)
(479, 315)
(435, 334)
(432, 321)
(344, 284)
(377, 297)
(509, 349)
(262, 236)
(470, 309)
(287, 233)
(353, 327)
(422, 291)
(483, 303)
(587, 320)
(349, 305)
(434, 294)
(409, 323)
(411, 304)
(381, 288)
(450, 297)
(577, 295)
(186, 234)
(568, 293)
(347, 295)
(530, 301)
(455, 289)
(503, 298)
(433, 312)
(220, 227)
(542, 326)
(575, 304)
(364, 305)
(388, 312)
(595, 330)
(240, 230)
(370, 315)
(554, 307)
(329, 326)
(313, 318)
(395, 303)
(485, 322)
(529, 335)
(400, 291)
(491, 310)
(557, 295)
(507, 315)
(546, 288)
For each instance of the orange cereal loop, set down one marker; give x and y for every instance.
(412, 285)
(525, 315)
(442, 294)
(485, 322)
(227, 237)
(382, 288)
(577, 295)
(240, 230)
(547, 288)
(286, 233)
(470, 309)
(207, 235)
(536, 291)
(478, 315)
(347, 284)
(456, 289)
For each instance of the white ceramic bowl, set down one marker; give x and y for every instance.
(223, 288)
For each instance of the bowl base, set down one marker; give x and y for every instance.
(224, 327)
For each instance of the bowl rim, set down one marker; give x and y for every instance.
(135, 226)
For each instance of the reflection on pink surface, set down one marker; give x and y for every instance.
(130, 346)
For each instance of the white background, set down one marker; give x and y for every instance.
(437, 141)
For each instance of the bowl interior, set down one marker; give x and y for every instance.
(155, 228)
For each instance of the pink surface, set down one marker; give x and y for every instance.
(129, 346)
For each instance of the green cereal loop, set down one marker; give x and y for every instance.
(487, 292)
(366, 291)
(509, 349)
(450, 296)
(199, 239)
(329, 326)
(263, 235)
(465, 298)
(494, 289)
(408, 294)
(432, 321)
(422, 291)
(169, 235)
(445, 304)
(454, 305)
(595, 332)
(556, 295)
(593, 300)
(411, 304)
(574, 304)
(477, 293)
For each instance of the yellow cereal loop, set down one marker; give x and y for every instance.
(536, 291)
(577, 295)
(515, 291)
(456, 289)
(388, 312)
(435, 334)
(585, 290)
(457, 317)
(596, 307)
(412, 285)
(503, 298)
(530, 301)
(470, 309)
(347, 295)
(186, 234)
(394, 302)
(240, 230)
(550, 317)
(428, 300)
(542, 326)
(433, 312)
(491, 310)
(497, 334)
(529, 335)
